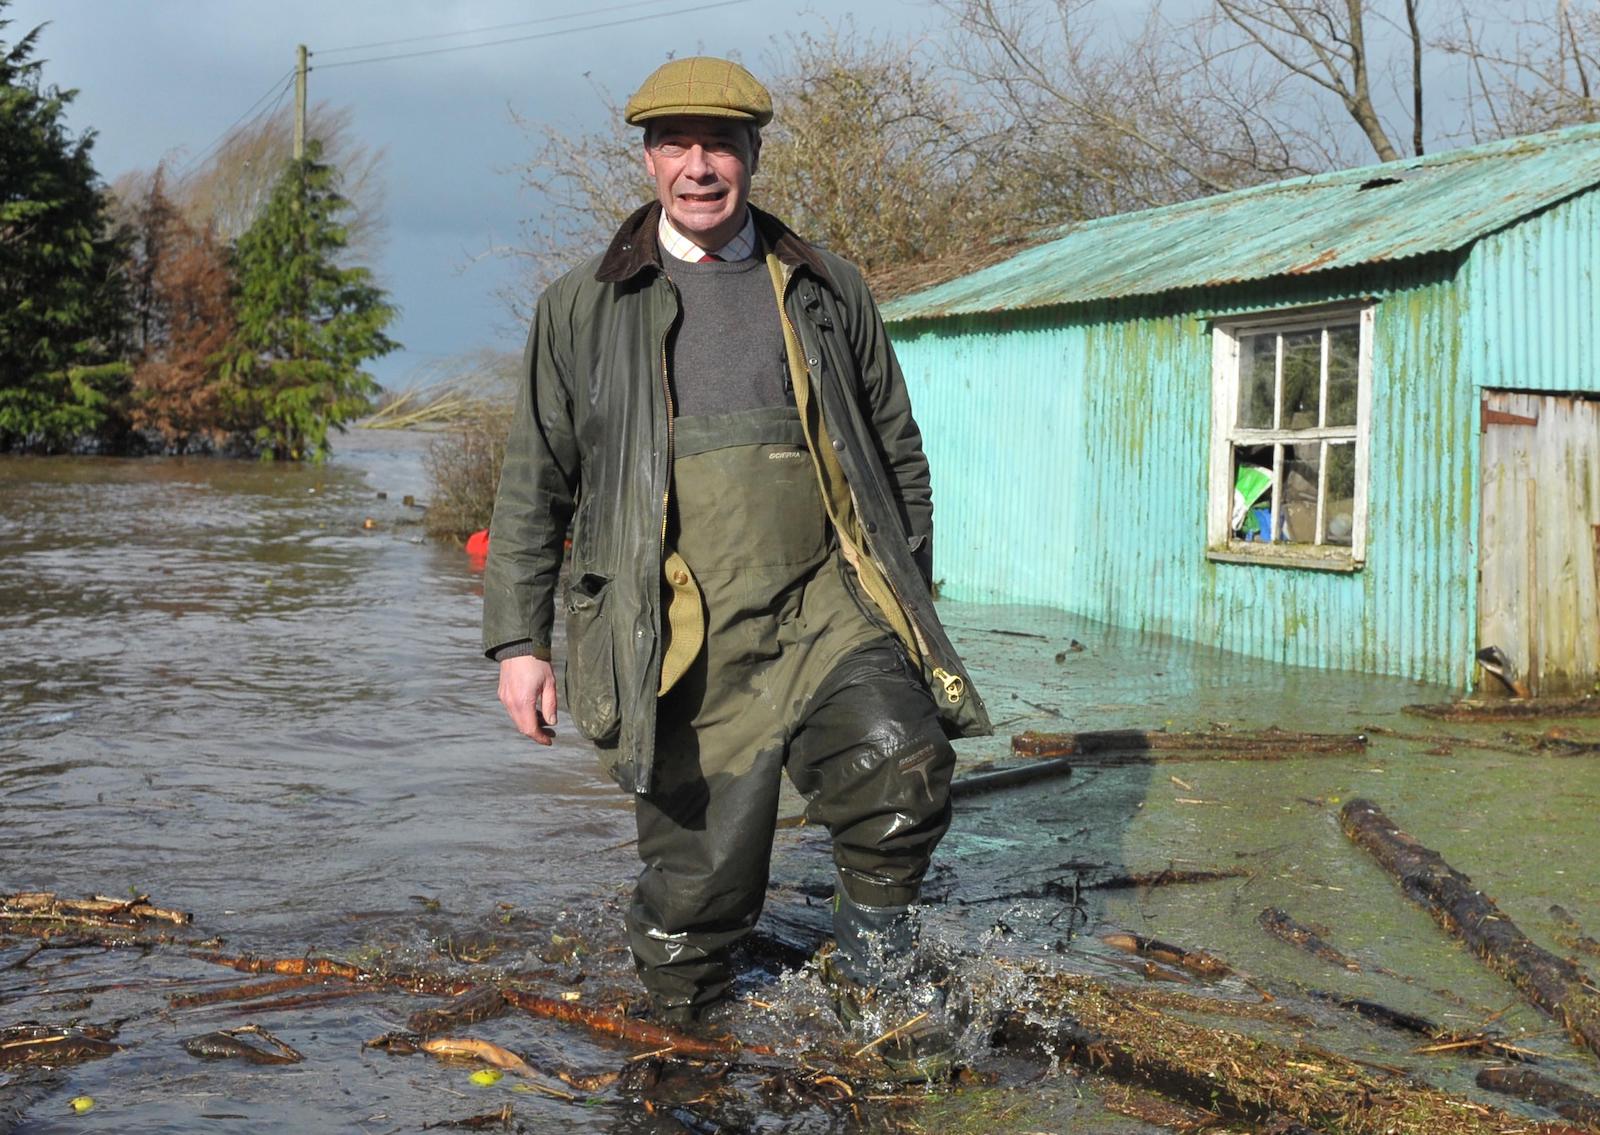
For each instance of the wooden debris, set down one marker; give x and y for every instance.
(1588, 706)
(466, 1009)
(414, 981)
(246, 992)
(1553, 984)
(1561, 1098)
(1575, 938)
(18, 956)
(1197, 962)
(1166, 877)
(488, 1121)
(1113, 1031)
(1061, 888)
(641, 1033)
(242, 1044)
(1380, 1014)
(27, 1044)
(98, 911)
(1138, 746)
(1281, 926)
(1443, 744)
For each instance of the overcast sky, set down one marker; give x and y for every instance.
(169, 76)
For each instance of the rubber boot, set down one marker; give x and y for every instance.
(874, 958)
(872, 940)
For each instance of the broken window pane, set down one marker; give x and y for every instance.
(1302, 465)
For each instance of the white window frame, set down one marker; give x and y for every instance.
(1226, 433)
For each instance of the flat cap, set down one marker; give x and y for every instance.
(703, 86)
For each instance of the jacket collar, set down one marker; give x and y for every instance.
(633, 249)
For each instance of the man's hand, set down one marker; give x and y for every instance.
(528, 691)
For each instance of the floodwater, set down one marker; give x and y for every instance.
(222, 688)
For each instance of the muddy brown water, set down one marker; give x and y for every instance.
(220, 688)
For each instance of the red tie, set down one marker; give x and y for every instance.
(705, 257)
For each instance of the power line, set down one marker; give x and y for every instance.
(279, 87)
(490, 28)
(535, 35)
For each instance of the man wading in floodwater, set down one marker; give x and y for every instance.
(713, 406)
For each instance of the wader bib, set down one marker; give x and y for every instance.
(792, 673)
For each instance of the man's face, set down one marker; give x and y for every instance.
(702, 168)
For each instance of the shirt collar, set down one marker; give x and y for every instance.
(682, 248)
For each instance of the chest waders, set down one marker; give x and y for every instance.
(791, 674)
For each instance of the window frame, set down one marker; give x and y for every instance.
(1226, 434)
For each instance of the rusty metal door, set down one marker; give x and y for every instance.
(1539, 539)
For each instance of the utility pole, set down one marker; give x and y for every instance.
(299, 155)
(300, 103)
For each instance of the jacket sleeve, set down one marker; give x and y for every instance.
(888, 406)
(538, 486)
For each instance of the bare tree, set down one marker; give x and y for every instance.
(1531, 70)
(228, 189)
(1102, 123)
(1325, 43)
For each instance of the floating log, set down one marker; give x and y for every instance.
(414, 981)
(246, 992)
(641, 1033)
(1442, 742)
(1380, 1014)
(1587, 706)
(466, 1009)
(1561, 1098)
(1166, 877)
(1197, 962)
(1553, 984)
(1281, 926)
(1139, 746)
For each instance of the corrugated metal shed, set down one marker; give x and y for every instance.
(1373, 215)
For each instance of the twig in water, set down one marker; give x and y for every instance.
(890, 1035)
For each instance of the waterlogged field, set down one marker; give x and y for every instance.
(222, 688)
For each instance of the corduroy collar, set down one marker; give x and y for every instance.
(633, 249)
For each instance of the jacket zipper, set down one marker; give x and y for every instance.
(952, 684)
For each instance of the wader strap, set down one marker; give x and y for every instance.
(686, 621)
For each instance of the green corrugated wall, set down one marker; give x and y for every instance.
(1069, 448)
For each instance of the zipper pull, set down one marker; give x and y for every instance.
(954, 687)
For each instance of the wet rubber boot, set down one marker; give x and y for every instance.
(873, 960)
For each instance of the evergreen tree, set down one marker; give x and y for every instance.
(305, 322)
(60, 269)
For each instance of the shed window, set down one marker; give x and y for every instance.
(1289, 439)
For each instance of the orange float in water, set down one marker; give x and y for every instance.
(478, 543)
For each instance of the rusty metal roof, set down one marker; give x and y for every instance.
(1371, 215)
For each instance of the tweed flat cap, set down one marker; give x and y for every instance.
(700, 85)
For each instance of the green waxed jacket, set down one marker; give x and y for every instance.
(590, 452)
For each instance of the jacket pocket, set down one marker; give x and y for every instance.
(591, 675)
